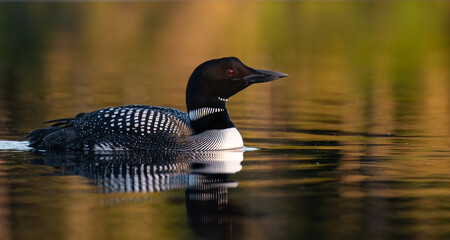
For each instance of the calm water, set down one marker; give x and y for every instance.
(354, 144)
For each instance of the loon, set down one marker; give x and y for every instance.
(206, 125)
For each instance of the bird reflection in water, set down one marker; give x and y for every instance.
(205, 176)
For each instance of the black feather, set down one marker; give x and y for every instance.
(60, 122)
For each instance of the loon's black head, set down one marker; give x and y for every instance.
(214, 81)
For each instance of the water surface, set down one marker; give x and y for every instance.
(354, 144)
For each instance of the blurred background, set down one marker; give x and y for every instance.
(57, 59)
(355, 142)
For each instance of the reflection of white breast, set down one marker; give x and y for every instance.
(218, 162)
(216, 139)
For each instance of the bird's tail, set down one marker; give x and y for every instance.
(36, 137)
(52, 136)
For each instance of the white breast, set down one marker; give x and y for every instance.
(216, 139)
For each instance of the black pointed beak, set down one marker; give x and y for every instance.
(259, 76)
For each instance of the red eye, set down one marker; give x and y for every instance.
(230, 72)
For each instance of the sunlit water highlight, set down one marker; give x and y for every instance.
(14, 145)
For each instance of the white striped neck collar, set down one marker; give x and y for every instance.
(203, 112)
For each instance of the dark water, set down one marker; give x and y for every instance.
(354, 144)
